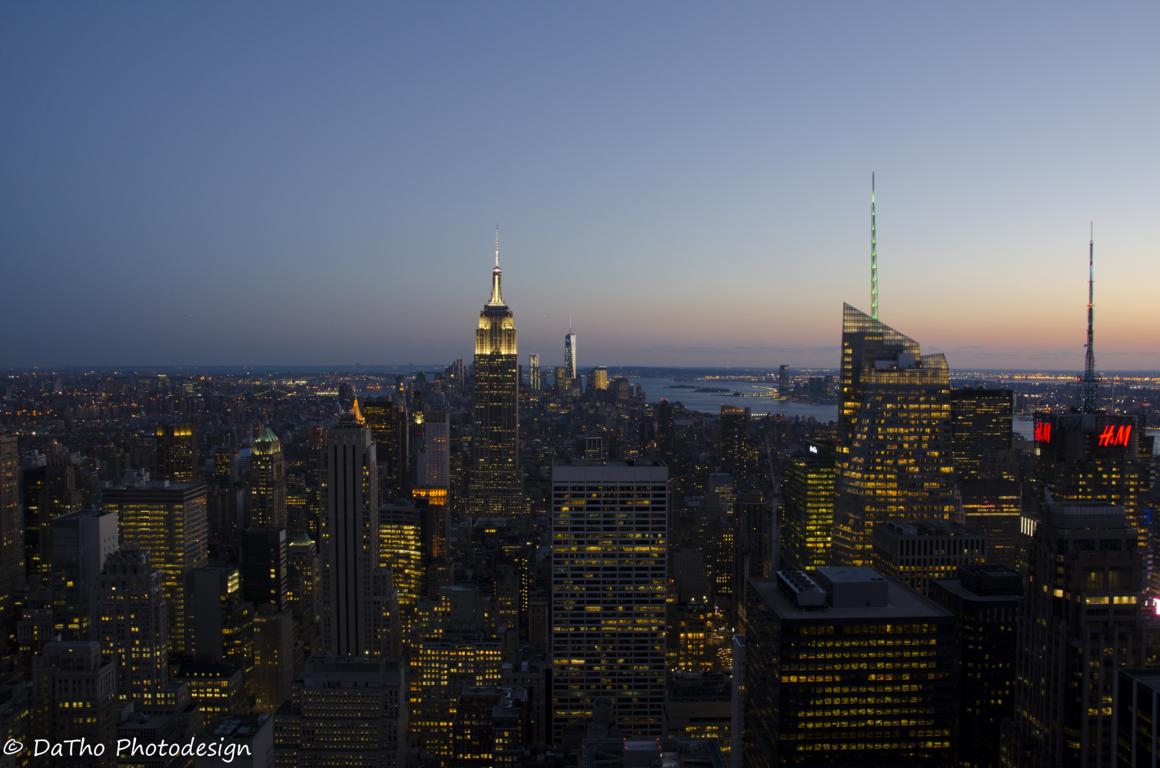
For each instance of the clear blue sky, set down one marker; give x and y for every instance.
(284, 183)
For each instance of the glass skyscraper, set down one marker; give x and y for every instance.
(894, 421)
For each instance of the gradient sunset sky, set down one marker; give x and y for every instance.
(313, 183)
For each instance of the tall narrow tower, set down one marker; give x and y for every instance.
(1090, 382)
(873, 250)
(496, 486)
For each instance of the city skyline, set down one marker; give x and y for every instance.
(304, 205)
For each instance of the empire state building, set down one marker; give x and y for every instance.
(496, 483)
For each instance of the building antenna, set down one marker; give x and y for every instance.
(873, 249)
(497, 246)
(1090, 382)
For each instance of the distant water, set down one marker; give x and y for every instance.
(685, 391)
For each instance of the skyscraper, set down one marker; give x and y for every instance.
(843, 667)
(496, 484)
(535, 380)
(343, 712)
(980, 430)
(985, 602)
(433, 454)
(894, 423)
(1095, 458)
(609, 570)
(1077, 628)
(75, 697)
(808, 520)
(11, 537)
(267, 482)
(133, 625)
(388, 421)
(356, 612)
(168, 521)
(570, 368)
(176, 452)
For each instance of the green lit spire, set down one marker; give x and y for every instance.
(873, 250)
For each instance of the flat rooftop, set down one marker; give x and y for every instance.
(901, 602)
(609, 472)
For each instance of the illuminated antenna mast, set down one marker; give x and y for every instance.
(1090, 382)
(873, 250)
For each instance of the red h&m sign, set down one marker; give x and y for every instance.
(1043, 431)
(1115, 435)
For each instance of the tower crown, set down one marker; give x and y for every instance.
(496, 299)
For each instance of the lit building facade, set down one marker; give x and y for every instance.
(1077, 629)
(609, 572)
(133, 627)
(919, 551)
(496, 483)
(168, 521)
(267, 482)
(1096, 458)
(895, 447)
(571, 369)
(985, 601)
(980, 429)
(807, 523)
(11, 537)
(845, 667)
(176, 452)
(343, 711)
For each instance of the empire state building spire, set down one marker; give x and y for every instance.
(496, 299)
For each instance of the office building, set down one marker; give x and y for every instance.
(81, 542)
(984, 600)
(358, 618)
(609, 550)
(496, 481)
(433, 454)
(221, 620)
(1077, 629)
(1097, 458)
(176, 453)
(11, 538)
(456, 646)
(807, 523)
(1138, 718)
(980, 431)
(895, 447)
(845, 667)
(167, 520)
(917, 552)
(571, 369)
(267, 482)
(535, 374)
(75, 697)
(265, 567)
(274, 659)
(389, 423)
(343, 711)
(133, 628)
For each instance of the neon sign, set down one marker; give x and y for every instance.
(1043, 432)
(1115, 435)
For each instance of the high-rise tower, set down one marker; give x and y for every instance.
(496, 483)
(357, 594)
(570, 354)
(894, 421)
(267, 482)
